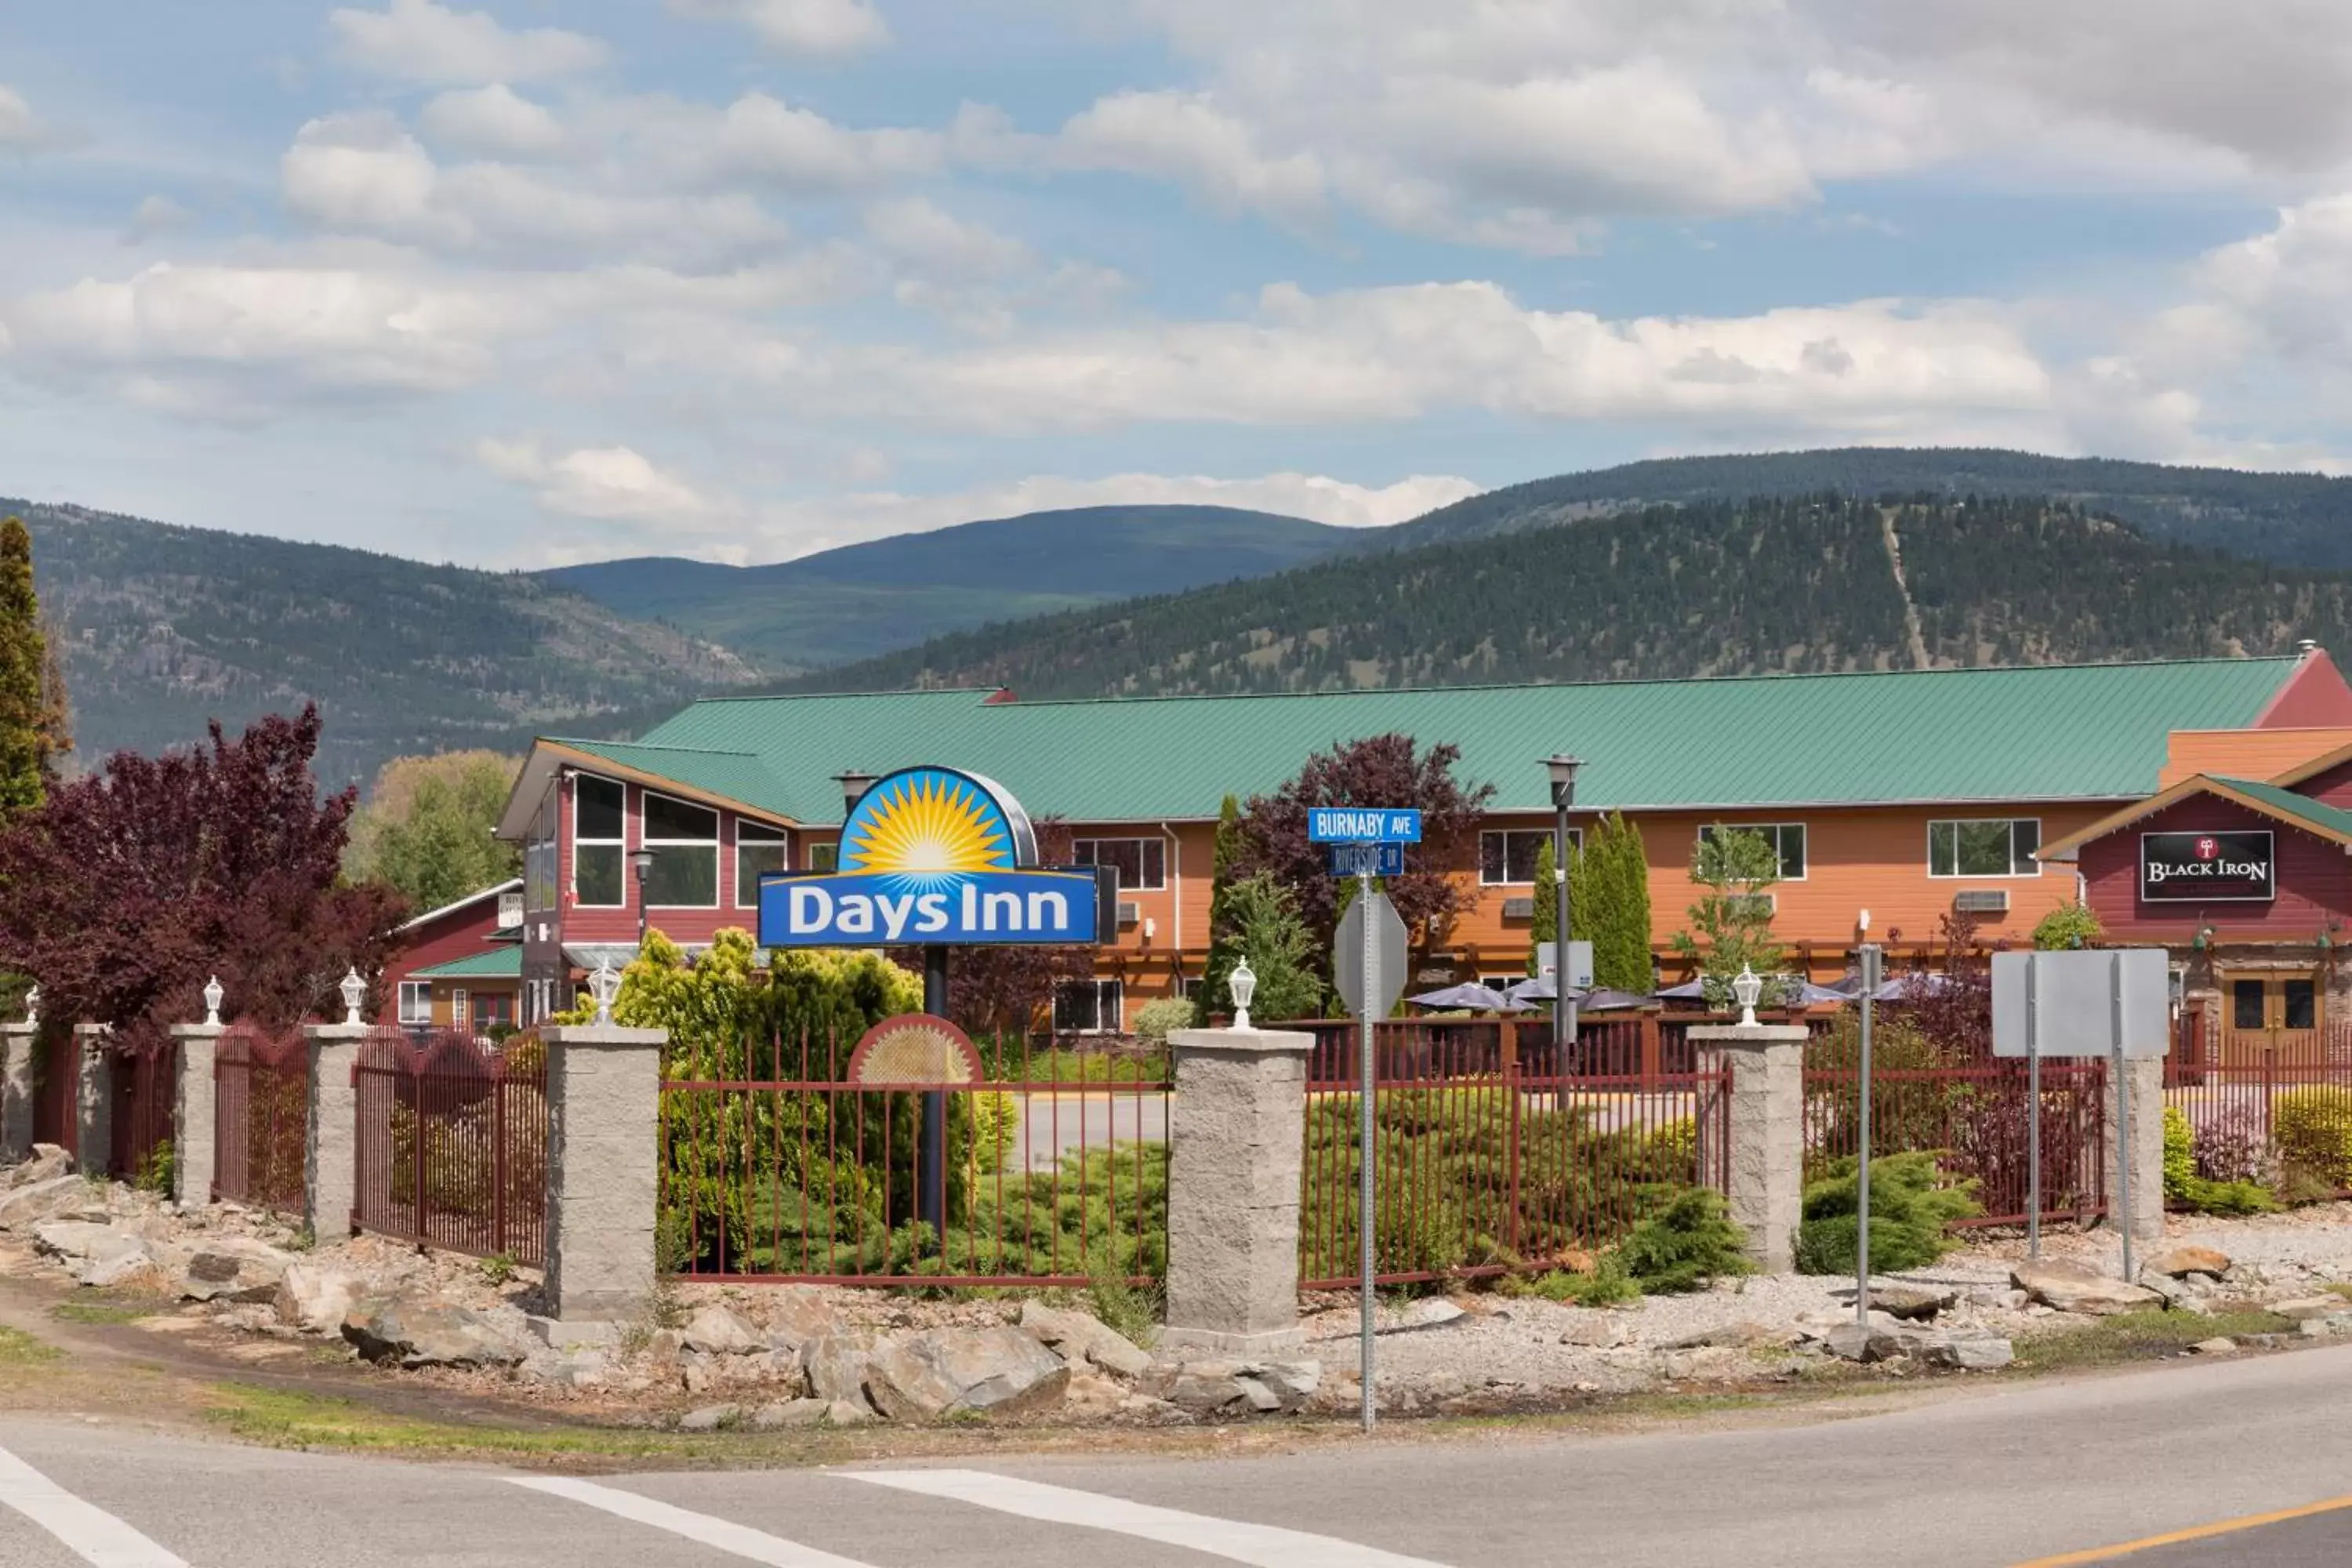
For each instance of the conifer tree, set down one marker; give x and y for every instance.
(24, 728)
(1617, 897)
(1545, 925)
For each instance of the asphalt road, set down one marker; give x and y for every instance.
(2023, 1474)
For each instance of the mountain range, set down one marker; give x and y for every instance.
(1672, 567)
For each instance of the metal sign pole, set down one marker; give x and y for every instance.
(2122, 1112)
(1365, 1144)
(1870, 971)
(2033, 1122)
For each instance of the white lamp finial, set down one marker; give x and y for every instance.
(213, 994)
(354, 992)
(32, 1006)
(604, 986)
(1242, 982)
(1746, 989)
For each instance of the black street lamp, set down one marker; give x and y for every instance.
(1563, 795)
(641, 861)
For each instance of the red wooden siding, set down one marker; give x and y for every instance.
(2314, 881)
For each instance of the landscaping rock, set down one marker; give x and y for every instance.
(1597, 1333)
(1261, 1398)
(1083, 1339)
(1295, 1381)
(848, 1413)
(1971, 1353)
(118, 1255)
(317, 1296)
(1205, 1391)
(1852, 1341)
(715, 1330)
(2223, 1346)
(1742, 1335)
(941, 1371)
(1092, 1395)
(46, 1163)
(1911, 1303)
(836, 1364)
(71, 1239)
(2316, 1329)
(424, 1334)
(237, 1269)
(2180, 1262)
(789, 1413)
(710, 1418)
(1432, 1312)
(2070, 1288)
(2302, 1308)
(37, 1201)
(797, 1315)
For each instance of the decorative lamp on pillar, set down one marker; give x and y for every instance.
(1746, 989)
(1242, 982)
(641, 863)
(32, 1006)
(1562, 768)
(603, 987)
(354, 992)
(213, 994)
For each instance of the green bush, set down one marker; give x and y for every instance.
(2184, 1187)
(1684, 1246)
(1906, 1112)
(1153, 1020)
(2179, 1154)
(2313, 1130)
(1608, 1285)
(158, 1169)
(2068, 925)
(1911, 1203)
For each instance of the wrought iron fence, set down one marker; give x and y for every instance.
(1053, 1170)
(1634, 1043)
(1486, 1161)
(142, 1080)
(2280, 1116)
(453, 1142)
(261, 1090)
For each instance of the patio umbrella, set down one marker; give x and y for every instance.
(1469, 993)
(1805, 994)
(1913, 986)
(1600, 997)
(1603, 998)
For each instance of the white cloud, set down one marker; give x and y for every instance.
(764, 138)
(605, 484)
(813, 28)
(495, 120)
(938, 244)
(18, 129)
(154, 215)
(2289, 291)
(421, 41)
(1186, 137)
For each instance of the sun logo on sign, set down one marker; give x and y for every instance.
(2208, 848)
(927, 822)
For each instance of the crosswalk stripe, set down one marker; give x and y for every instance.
(738, 1539)
(91, 1532)
(1269, 1546)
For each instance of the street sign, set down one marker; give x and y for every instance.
(1363, 825)
(2085, 1002)
(1347, 956)
(1367, 859)
(1580, 963)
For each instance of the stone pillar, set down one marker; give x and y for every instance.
(93, 1100)
(2144, 1088)
(194, 1161)
(18, 1041)
(1767, 1062)
(1237, 1127)
(603, 1173)
(330, 1166)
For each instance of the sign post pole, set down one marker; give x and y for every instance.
(2033, 1122)
(1365, 1146)
(2123, 1112)
(932, 1172)
(1870, 973)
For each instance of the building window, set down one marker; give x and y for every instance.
(1142, 863)
(458, 1008)
(1089, 1007)
(1987, 846)
(684, 839)
(597, 852)
(1786, 837)
(823, 856)
(757, 850)
(1507, 856)
(416, 1001)
(494, 1010)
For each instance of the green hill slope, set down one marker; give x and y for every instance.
(1709, 588)
(864, 599)
(166, 627)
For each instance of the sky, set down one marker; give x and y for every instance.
(741, 279)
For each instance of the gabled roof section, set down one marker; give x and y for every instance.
(2048, 733)
(512, 885)
(2269, 800)
(502, 963)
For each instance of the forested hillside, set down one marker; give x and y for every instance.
(1709, 588)
(165, 626)
(2297, 519)
(865, 599)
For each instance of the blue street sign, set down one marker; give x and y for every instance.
(1367, 859)
(1363, 825)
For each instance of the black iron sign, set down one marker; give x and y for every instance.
(2206, 868)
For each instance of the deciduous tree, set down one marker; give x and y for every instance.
(1733, 917)
(425, 829)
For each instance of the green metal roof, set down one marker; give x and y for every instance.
(2040, 732)
(501, 963)
(2286, 802)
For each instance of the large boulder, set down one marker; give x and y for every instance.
(2180, 1262)
(1081, 1339)
(1865, 1342)
(1912, 1303)
(2070, 1288)
(70, 1239)
(2307, 1309)
(46, 1163)
(943, 1371)
(412, 1333)
(836, 1364)
(317, 1297)
(36, 1200)
(715, 1330)
(235, 1268)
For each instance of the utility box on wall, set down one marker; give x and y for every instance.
(1580, 963)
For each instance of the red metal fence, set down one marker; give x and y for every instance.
(1643, 1042)
(2276, 1114)
(1490, 1157)
(261, 1090)
(453, 1142)
(774, 1168)
(56, 1080)
(144, 1081)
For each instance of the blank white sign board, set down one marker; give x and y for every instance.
(2074, 1011)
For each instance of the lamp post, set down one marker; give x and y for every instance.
(641, 861)
(1563, 795)
(1746, 990)
(1242, 983)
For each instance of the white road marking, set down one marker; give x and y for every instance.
(741, 1539)
(90, 1532)
(1269, 1546)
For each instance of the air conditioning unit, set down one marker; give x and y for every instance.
(1519, 909)
(1981, 901)
(1130, 912)
(1767, 903)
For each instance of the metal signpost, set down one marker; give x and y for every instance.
(1872, 957)
(1367, 962)
(2081, 1003)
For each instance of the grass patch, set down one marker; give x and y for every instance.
(2340, 1287)
(18, 1350)
(288, 1419)
(2140, 1336)
(99, 1314)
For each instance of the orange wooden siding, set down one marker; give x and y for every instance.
(2245, 753)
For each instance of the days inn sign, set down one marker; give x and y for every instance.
(934, 858)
